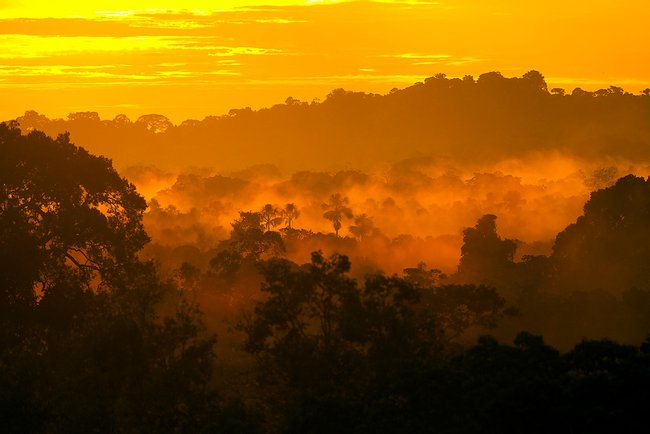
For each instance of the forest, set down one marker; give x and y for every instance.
(221, 276)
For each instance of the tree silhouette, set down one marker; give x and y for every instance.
(609, 245)
(363, 227)
(86, 218)
(248, 244)
(249, 238)
(84, 342)
(336, 210)
(535, 80)
(423, 277)
(290, 213)
(485, 257)
(271, 216)
(155, 123)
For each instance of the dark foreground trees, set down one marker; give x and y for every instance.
(337, 356)
(383, 356)
(91, 340)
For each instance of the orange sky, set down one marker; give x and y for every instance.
(195, 58)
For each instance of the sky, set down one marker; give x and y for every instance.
(190, 59)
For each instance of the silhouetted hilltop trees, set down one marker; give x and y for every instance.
(608, 247)
(484, 119)
(594, 283)
(336, 355)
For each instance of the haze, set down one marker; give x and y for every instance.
(324, 217)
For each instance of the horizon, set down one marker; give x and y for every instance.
(186, 62)
(177, 122)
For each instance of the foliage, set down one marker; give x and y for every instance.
(290, 213)
(327, 345)
(484, 255)
(615, 219)
(91, 339)
(336, 210)
(249, 243)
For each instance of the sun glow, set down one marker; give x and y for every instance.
(258, 52)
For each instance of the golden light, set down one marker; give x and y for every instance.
(192, 59)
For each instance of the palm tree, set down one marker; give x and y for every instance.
(336, 210)
(271, 216)
(290, 213)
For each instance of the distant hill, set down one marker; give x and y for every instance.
(473, 120)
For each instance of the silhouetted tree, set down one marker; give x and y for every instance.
(250, 239)
(85, 218)
(339, 356)
(290, 213)
(85, 344)
(271, 216)
(536, 80)
(609, 245)
(249, 243)
(155, 123)
(423, 277)
(485, 257)
(336, 210)
(363, 227)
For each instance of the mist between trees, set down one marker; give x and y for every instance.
(422, 203)
(352, 300)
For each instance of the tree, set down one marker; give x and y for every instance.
(609, 245)
(84, 117)
(423, 277)
(248, 244)
(84, 341)
(337, 210)
(321, 340)
(458, 308)
(121, 121)
(536, 80)
(341, 355)
(155, 123)
(85, 219)
(485, 257)
(363, 227)
(271, 216)
(249, 238)
(290, 214)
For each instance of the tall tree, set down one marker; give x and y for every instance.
(336, 210)
(485, 256)
(84, 343)
(290, 214)
(609, 245)
(271, 216)
(85, 219)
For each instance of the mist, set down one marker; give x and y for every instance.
(469, 120)
(356, 262)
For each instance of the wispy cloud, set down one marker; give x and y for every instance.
(419, 56)
(425, 59)
(242, 51)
